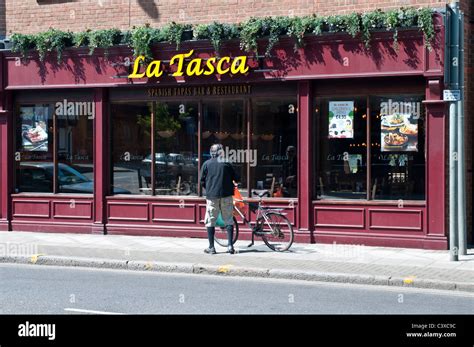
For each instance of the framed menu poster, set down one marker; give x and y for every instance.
(341, 119)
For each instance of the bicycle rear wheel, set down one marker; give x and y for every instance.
(221, 235)
(278, 233)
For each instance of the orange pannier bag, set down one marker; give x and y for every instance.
(238, 203)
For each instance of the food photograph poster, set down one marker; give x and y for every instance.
(34, 129)
(341, 119)
(399, 132)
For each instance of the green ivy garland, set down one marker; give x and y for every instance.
(103, 39)
(216, 33)
(141, 39)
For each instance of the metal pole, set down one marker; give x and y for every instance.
(453, 154)
(462, 232)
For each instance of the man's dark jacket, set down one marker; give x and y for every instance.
(216, 177)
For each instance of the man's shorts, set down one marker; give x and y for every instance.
(223, 205)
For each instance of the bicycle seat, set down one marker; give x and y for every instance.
(262, 194)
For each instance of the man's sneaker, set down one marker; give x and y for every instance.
(231, 250)
(210, 250)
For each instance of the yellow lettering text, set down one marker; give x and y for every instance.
(219, 65)
(210, 66)
(153, 70)
(194, 67)
(239, 65)
(180, 58)
(136, 66)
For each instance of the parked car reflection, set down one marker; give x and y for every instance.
(171, 169)
(38, 177)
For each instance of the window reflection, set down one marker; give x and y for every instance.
(398, 154)
(75, 152)
(225, 122)
(341, 148)
(131, 146)
(34, 148)
(274, 138)
(176, 164)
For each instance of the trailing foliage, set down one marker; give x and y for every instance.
(103, 39)
(255, 34)
(173, 33)
(216, 33)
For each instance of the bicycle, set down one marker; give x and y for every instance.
(271, 225)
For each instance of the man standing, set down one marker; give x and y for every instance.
(217, 178)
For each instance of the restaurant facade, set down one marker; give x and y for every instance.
(349, 141)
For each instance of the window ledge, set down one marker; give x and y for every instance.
(421, 203)
(51, 195)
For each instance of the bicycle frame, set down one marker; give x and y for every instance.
(260, 213)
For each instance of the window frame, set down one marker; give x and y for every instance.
(247, 107)
(55, 143)
(368, 199)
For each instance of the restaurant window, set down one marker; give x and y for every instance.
(397, 130)
(131, 148)
(225, 122)
(174, 125)
(75, 151)
(341, 153)
(36, 134)
(274, 147)
(393, 134)
(176, 143)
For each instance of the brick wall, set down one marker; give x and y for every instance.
(37, 15)
(27, 16)
(2, 18)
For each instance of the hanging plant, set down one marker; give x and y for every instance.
(425, 23)
(351, 23)
(142, 38)
(81, 39)
(216, 33)
(298, 28)
(392, 22)
(316, 25)
(52, 40)
(249, 34)
(336, 23)
(22, 43)
(103, 39)
(173, 33)
(370, 21)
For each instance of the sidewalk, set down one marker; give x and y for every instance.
(314, 262)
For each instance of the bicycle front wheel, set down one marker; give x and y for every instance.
(277, 232)
(221, 235)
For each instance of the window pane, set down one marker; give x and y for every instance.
(225, 122)
(398, 147)
(274, 140)
(341, 148)
(75, 150)
(176, 164)
(34, 148)
(131, 148)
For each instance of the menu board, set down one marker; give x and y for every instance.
(399, 132)
(341, 119)
(34, 128)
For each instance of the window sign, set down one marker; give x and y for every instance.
(341, 119)
(399, 126)
(34, 129)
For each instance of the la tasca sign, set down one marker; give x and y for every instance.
(196, 67)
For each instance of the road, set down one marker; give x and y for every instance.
(35, 289)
